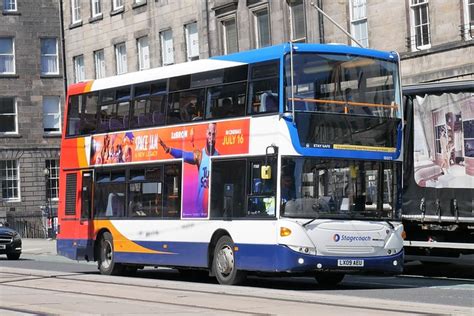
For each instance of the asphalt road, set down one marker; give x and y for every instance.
(446, 284)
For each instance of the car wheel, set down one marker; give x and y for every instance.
(329, 279)
(223, 263)
(13, 256)
(107, 264)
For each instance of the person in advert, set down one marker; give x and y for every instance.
(200, 158)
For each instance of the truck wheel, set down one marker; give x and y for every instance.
(329, 279)
(223, 263)
(107, 264)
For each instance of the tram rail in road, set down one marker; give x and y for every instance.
(46, 292)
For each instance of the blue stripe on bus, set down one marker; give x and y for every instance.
(340, 153)
(277, 51)
(283, 259)
(252, 257)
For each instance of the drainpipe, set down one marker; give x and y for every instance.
(63, 47)
(322, 40)
(207, 30)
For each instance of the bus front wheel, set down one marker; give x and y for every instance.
(107, 264)
(223, 263)
(329, 279)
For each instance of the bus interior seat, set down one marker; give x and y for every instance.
(115, 124)
(269, 102)
(144, 120)
(158, 118)
(103, 126)
(114, 205)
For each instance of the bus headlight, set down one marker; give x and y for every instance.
(304, 250)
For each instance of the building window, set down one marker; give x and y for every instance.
(229, 36)
(167, 52)
(51, 114)
(76, 11)
(79, 73)
(262, 28)
(99, 62)
(49, 56)
(9, 5)
(10, 177)
(96, 8)
(7, 55)
(420, 31)
(117, 5)
(52, 178)
(359, 28)
(468, 19)
(121, 58)
(137, 2)
(143, 53)
(298, 21)
(192, 41)
(8, 117)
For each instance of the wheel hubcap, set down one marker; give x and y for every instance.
(225, 260)
(107, 255)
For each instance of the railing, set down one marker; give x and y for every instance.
(30, 226)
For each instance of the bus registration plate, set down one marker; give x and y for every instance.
(350, 263)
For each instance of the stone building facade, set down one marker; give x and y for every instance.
(31, 93)
(434, 38)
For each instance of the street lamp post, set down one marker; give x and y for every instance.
(48, 202)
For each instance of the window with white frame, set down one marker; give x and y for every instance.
(79, 72)
(99, 63)
(52, 178)
(10, 179)
(468, 19)
(420, 21)
(121, 58)
(262, 27)
(229, 35)
(49, 56)
(117, 4)
(167, 51)
(359, 27)
(7, 55)
(143, 53)
(96, 8)
(192, 41)
(298, 21)
(8, 115)
(76, 11)
(9, 5)
(51, 114)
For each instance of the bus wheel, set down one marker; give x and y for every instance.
(223, 263)
(107, 263)
(329, 279)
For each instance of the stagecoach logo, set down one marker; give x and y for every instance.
(349, 238)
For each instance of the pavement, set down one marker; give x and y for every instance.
(36, 246)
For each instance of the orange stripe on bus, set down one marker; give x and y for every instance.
(81, 153)
(122, 243)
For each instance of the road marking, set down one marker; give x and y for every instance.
(469, 287)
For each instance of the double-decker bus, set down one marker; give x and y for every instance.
(281, 159)
(438, 198)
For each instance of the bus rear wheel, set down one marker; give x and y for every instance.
(223, 263)
(329, 279)
(107, 264)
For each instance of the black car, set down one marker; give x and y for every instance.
(10, 243)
